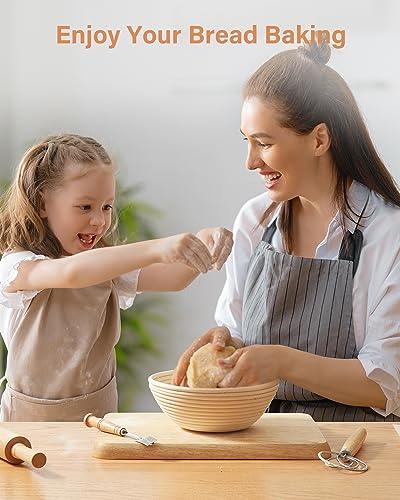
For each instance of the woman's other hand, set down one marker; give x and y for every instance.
(219, 336)
(253, 365)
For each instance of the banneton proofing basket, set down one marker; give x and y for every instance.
(211, 410)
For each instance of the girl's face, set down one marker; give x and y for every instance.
(287, 161)
(79, 211)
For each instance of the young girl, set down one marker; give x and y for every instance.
(312, 294)
(62, 282)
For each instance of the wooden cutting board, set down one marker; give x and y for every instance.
(274, 436)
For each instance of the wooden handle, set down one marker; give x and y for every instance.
(103, 425)
(26, 454)
(353, 443)
(17, 449)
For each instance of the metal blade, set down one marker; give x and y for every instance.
(146, 440)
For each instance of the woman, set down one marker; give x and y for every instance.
(312, 294)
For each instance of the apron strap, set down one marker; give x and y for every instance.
(350, 249)
(269, 232)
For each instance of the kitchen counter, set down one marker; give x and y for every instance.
(71, 472)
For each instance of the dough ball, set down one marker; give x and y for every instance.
(204, 370)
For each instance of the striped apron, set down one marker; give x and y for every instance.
(306, 304)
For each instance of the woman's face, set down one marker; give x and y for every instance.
(286, 160)
(79, 211)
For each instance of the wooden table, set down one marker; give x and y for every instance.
(71, 473)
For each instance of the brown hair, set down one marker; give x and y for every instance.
(42, 168)
(306, 92)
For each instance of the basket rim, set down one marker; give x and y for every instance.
(221, 390)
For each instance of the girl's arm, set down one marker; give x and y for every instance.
(175, 277)
(165, 278)
(102, 264)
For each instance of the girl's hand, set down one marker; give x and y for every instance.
(253, 365)
(219, 336)
(219, 241)
(186, 249)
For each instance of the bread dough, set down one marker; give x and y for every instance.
(204, 369)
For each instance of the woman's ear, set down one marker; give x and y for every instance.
(322, 139)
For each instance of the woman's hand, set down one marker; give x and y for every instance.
(219, 336)
(185, 248)
(219, 241)
(253, 365)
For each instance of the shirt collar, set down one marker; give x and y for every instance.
(358, 198)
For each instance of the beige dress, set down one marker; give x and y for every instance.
(61, 346)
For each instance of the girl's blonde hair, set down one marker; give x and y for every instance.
(43, 168)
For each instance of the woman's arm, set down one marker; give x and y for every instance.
(101, 264)
(342, 380)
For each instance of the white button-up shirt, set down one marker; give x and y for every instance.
(376, 287)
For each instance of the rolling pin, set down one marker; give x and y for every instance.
(17, 449)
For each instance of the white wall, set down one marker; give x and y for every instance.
(170, 114)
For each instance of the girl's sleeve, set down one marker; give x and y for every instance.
(9, 265)
(126, 287)
(380, 354)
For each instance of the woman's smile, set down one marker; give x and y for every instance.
(270, 178)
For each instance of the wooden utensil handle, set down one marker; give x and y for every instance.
(26, 454)
(353, 443)
(103, 425)
(17, 449)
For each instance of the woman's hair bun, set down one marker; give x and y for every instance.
(317, 53)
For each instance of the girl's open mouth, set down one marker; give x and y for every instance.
(87, 240)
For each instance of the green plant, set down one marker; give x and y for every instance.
(136, 340)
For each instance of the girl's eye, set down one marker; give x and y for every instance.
(84, 207)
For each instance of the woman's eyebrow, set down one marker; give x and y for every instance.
(258, 135)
